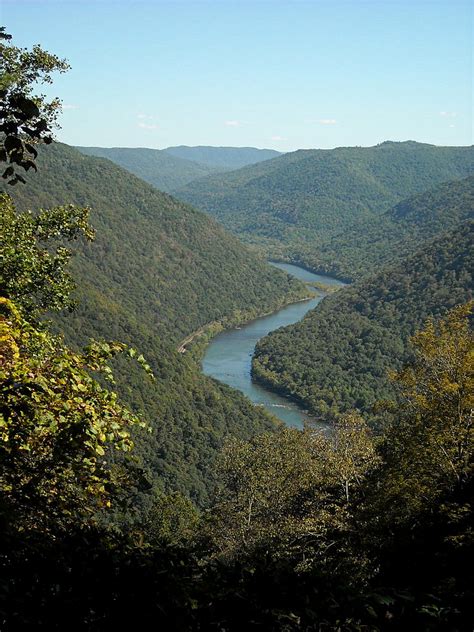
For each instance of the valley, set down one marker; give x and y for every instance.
(236, 382)
(300, 206)
(228, 357)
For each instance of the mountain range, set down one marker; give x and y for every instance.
(302, 202)
(171, 168)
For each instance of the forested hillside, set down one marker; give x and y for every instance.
(223, 158)
(338, 357)
(292, 204)
(132, 488)
(157, 271)
(159, 168)
(370, 243)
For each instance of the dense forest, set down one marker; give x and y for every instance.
(223, 158)
(134, 490)
(157, 167)
(292, 204)
(156, 272)
(339, 356)
(367, 244)
(171, 168)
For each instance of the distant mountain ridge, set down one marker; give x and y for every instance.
(157, 167)
(291, 205)
(174, 167)
(223, 158)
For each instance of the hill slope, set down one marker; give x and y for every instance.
(223, 158)
(293, 203)
(157, 271)
(159, 168)
(338, 356)
(370, 243)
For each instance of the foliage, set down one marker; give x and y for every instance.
(338, 357)
(160, 168)
(172, 521)
(26, 119)
(432, 447)
(293, 551)
(31, 273)
(288, 494)
(367, 244)
(174, 167)
(157, 271)
(307, 531)
(300, 206)
(223, 158)
(422, 497)
(285, 547)
(56, 425)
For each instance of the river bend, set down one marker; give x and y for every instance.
(228, 357)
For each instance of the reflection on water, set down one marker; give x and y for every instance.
(229, 355)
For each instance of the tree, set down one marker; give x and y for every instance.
(33, 272)
(26, 119)
(353, 452)
(288, 493)
(430, 448)
(57, 425)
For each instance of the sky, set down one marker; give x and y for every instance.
(262, 73)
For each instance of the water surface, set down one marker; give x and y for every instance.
(229, 355)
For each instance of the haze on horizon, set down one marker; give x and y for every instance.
(277, 74)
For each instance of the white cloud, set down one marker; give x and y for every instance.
(232, 123)
(448, 114)
(148, 125)
(145, 121)
(68, 106)
(452, 125)
(277, 138)
(327, 121)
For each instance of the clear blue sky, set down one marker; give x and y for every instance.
(280, 74)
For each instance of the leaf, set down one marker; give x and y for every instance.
(9, 171)
(29, 164)
(27, 106)
(12, 143)
(31, 149)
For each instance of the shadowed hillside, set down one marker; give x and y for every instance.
(157, 271)
(338, 357)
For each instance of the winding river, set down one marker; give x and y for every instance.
(229, 355)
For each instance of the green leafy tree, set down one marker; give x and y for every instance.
(430, 448)
(26, 119)
(289, 492)
(34, 260)
(418, 508)
(353, 451)
(57, 425)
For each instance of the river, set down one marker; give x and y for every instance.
(228, 357)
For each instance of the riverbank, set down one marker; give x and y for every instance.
(238, 319)
(227, 357)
